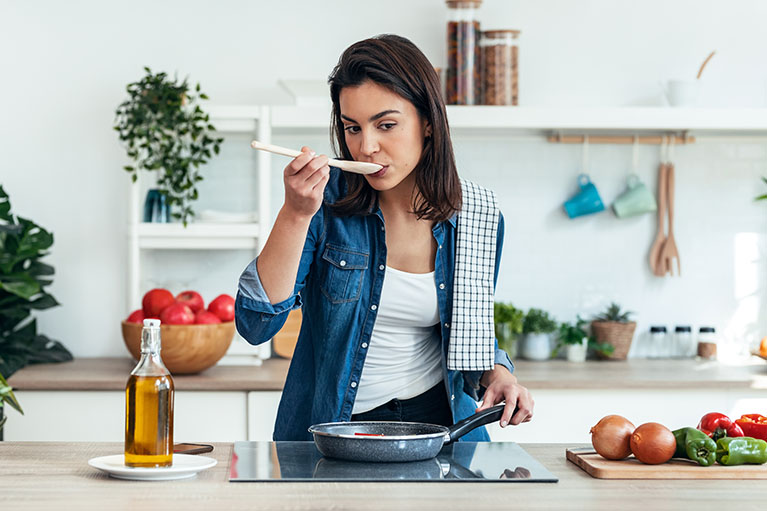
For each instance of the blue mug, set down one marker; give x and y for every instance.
(586, 201)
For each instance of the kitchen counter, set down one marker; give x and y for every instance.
(111, 374)
(55, 475)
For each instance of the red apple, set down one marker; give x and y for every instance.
(191, 299)
(136, 316)
(177, 314)
(155, 301)
(204, 317)
(223, 307)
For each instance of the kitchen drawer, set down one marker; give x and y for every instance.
(568, 415)
(100, 416)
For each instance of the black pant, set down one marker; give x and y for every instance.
(431, 407)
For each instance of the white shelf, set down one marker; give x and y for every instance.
(542, 121)
(198, 236)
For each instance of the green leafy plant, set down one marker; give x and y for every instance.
(570, 334)
(508, 325)
(538, 321)
(163, 128)
(614, 313)
(763, 196)
(6, 396)
(23, 279)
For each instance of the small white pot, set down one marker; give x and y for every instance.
(577, 352)
(536, 347)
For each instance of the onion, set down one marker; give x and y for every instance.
(611, 435)
(653, 443)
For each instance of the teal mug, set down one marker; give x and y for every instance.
(636, 200)
(586, 201)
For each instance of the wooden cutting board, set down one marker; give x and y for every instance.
(284, 341)
(631, 468)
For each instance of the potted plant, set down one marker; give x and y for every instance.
(613, 327)
(6, 396)
(508, 325)
(537, 328)
(23, 279)
(163, 128)
(576, 341)
(764, 195)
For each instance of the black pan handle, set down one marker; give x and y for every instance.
(462, 427)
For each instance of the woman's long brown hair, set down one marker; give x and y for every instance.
(396, 63)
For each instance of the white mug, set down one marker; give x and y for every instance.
(682, 92)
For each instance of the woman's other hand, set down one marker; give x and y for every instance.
(500, 385)
(305, 178)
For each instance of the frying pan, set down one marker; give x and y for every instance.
(394, 441)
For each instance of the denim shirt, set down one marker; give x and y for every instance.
(339, 281)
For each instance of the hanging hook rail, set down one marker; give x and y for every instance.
(680, 139)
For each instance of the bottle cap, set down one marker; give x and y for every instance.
(683, 329)
(152, 323)
(707, 329)
(657, 329)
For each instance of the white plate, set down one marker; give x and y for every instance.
(184, 465)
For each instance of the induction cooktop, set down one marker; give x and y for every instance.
(502, 462)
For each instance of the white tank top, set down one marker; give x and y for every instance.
(403, 358)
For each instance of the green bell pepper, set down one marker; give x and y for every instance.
(741, 450)
(693, 444)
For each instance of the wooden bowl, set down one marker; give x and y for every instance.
(185, 348)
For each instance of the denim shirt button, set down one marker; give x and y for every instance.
(440, 246)
(452, 396)
(354, 384)
(373, 307)
(381, 267)
(447, 325)
(342, 263)
(442, 286)
(364, 345)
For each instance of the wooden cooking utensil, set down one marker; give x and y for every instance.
(660, 237)
(358, 167)
(669, 251)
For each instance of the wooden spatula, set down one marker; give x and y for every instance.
(669, 251)
(358, 167)
(655, 265)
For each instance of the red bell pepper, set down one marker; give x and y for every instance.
(753, 425)
(718, 425)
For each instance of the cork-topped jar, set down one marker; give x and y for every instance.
(500, 67)
(463, 78)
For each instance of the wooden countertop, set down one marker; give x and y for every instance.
(56, 475)
(111, 374)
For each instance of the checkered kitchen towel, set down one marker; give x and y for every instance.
(472, 336)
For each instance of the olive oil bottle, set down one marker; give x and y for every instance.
(149, 405)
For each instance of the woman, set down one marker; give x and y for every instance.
(371, 261)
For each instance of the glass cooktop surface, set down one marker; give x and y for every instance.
(503, 462)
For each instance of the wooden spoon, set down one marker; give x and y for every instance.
(358, 167)
(669, 251)
(660, 237)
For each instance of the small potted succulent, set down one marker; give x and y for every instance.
(508, 326)
(614, 327)
(537, 328)
(576, 341)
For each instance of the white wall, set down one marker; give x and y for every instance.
(64, 66)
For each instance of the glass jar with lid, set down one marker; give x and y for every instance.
(684, 345)
(658, 345)
(707, 342)
(499, 50)
(462, 77)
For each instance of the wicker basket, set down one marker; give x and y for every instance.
(615, 333)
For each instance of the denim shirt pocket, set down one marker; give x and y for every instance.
(342, 273)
